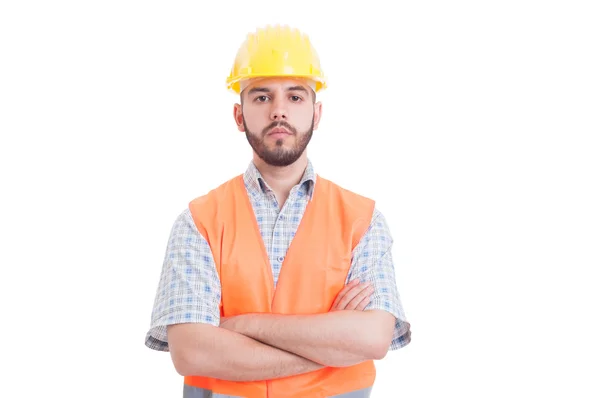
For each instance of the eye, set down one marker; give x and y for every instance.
(295, 98)
(261, 98)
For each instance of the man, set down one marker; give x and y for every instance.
(278, 283)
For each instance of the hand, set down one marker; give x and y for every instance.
(224, 321)
(354, 296)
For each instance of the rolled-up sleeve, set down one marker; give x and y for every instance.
(372, 262)
(189, 289)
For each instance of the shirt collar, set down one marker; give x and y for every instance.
(256, 184)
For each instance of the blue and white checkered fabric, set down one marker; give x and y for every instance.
(189, 289)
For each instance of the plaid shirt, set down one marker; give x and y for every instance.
(189, 289)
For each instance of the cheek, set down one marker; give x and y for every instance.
(255, 120)
(303, 119)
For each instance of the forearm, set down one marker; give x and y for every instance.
(226, 355)
(339, 338)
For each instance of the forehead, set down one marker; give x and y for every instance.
(275, 83)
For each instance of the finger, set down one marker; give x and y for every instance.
(365, 293)
(352, 294)
(363, 304)
(343, 292)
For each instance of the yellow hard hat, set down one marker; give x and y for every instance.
(276, 51)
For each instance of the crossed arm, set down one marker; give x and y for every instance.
(269, 346)
(337, 339)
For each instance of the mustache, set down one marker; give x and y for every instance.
(279, 124)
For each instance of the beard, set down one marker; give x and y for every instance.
(279, 156)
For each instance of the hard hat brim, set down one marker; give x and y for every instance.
(234, 85)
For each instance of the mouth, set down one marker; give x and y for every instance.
(279, 131)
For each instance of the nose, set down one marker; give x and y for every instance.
(278, 110)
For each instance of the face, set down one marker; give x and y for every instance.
(278, 116)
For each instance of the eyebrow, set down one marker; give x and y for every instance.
(266, 90)
(258, 90)
(297, 88)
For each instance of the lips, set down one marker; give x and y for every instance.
(279, 131)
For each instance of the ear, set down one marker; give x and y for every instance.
(239, 117)
(317, 114)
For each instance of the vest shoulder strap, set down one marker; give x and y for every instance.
(353, 206)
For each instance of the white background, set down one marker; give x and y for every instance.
(473, 124)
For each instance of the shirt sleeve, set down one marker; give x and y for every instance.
(189, 289)
(372, 262)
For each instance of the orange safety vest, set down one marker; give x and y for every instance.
(313, 272)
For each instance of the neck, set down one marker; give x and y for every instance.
(281, 179)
